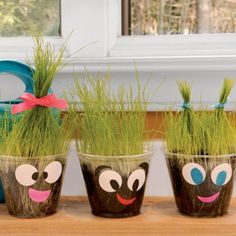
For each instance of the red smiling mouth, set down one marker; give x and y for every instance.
(209, 199)
(38, 196)
(124, 201)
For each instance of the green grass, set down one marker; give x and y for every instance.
(40, 131)
(205, 132)
(110, 124)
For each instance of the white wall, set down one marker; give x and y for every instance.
(205, 85)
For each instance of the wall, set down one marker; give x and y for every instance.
(205, 85)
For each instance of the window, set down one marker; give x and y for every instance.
(158, 17)
(87, 20)
(19, 17)
(98, 25)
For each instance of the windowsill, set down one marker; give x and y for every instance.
(18, 48)
(147, 64)
(159, 216)
(153, 64)
(174, 45)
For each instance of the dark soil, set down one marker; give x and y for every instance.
(186, 194)
(105, 203)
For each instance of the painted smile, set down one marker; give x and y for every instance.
(38, 196)
(124, 201)
(209, 199)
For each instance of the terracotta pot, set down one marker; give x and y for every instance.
(202, 185)
(32, 186)
(115, 184)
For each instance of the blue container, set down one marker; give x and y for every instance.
(24, 73)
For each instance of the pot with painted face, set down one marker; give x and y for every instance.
(32, 186)
(202, 184)
(115, 184)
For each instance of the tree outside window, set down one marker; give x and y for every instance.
(20, 17)
(158, 17)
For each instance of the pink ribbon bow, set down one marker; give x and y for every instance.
(30, 101)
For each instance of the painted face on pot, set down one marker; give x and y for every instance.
(28, 175)
(208, 185)
(122, 190)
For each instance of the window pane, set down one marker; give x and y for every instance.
(19, 17)
(180, 16)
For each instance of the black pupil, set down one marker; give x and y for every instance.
(135, 185)
(114, 184)
(35, 176)
(45, 175)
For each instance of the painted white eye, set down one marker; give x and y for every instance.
(221, 174)
(110, 181)
(26, 174)
(52, 172)
(136, 180)
(193, 173)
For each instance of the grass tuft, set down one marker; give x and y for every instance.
(110, 124)
(205, 132)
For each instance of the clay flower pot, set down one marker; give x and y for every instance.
(202, 185)
(32, 186)
(115, 184)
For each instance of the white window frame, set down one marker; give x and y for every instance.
(73, 20)
(98, 25)
(172, 52)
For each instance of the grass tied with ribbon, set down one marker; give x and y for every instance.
(40, 130)
(202, 132)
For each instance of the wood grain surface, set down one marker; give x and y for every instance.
(159, 217)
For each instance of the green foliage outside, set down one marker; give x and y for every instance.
(19, 17)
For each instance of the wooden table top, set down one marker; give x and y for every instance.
(159, 217)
